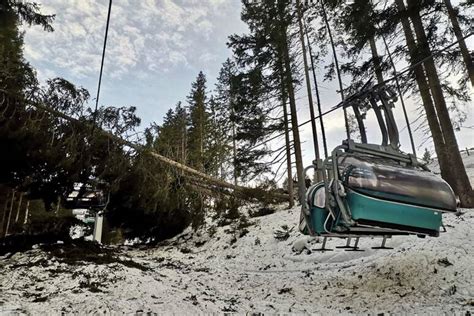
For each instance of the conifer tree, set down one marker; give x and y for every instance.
(359, 20)
(267, 47)
(458, 178)
(226, 96)
(453, 14)
(172, 139)
(16, 74)
(301, 32)
(198, 123)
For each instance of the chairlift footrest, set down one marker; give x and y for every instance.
(355, 249)
(322, 249)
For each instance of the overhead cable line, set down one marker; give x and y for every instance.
(342, 104)
(102, 63)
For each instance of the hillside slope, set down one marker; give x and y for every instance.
(255, 273)
(249, 270)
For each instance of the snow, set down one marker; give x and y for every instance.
(468, 164)
(224, 269)
(254, 273)
(77, 231)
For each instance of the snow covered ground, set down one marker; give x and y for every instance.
(251, 272)
(468, 164)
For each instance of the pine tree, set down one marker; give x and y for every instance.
(301, 32)
(458, 178)
(198, 123)
(268, 47)
(219, 148)
(427, 159)
(171, 141)
(225, 118)
(250, 118)
(283, 48)
(254, 91)
(16, 74)
(453, 14)
(361, 22)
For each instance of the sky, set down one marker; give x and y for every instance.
(155, 50)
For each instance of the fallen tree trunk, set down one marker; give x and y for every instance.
(255, 192)
(248, 194)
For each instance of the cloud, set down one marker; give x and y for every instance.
(208, 57)
(149, 36)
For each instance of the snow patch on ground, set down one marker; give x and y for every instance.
(231, 269)
(194, 273)
(468, 164)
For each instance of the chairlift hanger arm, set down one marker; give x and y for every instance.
(390, 120)
(380, 120)
(360, 122)
(380, 98)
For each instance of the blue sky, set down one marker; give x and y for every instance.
(156, 49)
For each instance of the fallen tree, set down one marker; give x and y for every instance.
(211, 183)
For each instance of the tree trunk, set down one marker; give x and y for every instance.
(318, 175)
(295, 130)
(19, 207)
(183, 144)
(460, 180)
(234, 148)
(452, 13)
(376, 60)
(288, 158)
(288, 79)
(26, 212)
(4, 215)
(201, 140)
(336, 62)
(234, 154)
(318, 100)
(289, 166)
(431, 115)
(10, 214)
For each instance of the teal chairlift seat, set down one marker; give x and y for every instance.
(370, 189)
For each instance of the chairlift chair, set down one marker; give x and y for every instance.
(88, 196)
(374, 190)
